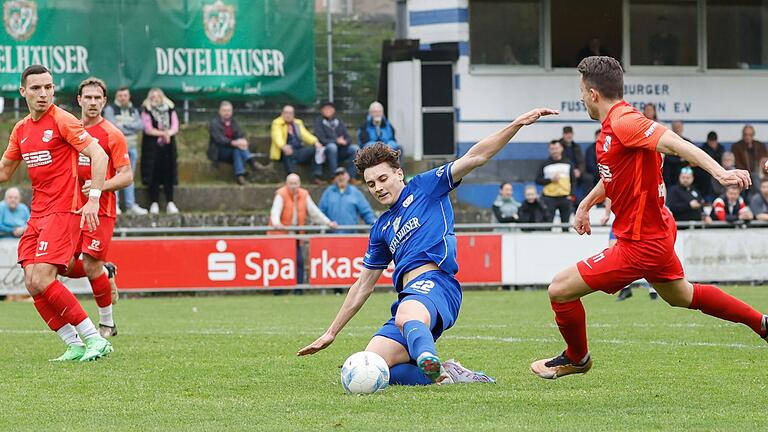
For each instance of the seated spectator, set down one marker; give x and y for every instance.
(702, 180)
(505, 207)
(343, 203)
(590, 161)
(748, 151)
(377, 128)
(673, 163)
(158, 149)
(556, 175)
(14, 214)
(227, 142)
(532, 210)
(759, 203)
(332, 133)
(731, 206)
(728, 162)
(292, 143)
(684, 200)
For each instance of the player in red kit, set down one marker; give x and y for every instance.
(629, 160)
(49, 140)
(94, 245)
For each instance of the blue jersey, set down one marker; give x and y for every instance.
(417, 229)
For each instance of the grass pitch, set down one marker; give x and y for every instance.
(228, 363)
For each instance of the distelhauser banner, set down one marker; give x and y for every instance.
(190, 48)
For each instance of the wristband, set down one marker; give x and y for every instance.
(94, 193)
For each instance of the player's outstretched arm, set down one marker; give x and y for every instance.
(356, 297)
(671, 143)
(99, 160)
(581, 220)
(7, 168)
(487, 148)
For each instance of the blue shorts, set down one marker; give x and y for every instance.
(439, 292)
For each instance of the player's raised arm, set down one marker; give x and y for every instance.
(487, 148)
(356, 298)
(99, 160)
(671, 143)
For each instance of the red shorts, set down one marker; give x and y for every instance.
(50, 239)
(630, 260)
(96, 243)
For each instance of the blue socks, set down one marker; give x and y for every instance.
(408, 374)
(419, 339)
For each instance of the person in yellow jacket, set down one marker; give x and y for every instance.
(292, 143)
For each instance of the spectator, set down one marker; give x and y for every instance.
(702, 180)
(748, 151)
(158, 149)
(728, 162)
(293, 143)
(731, 206)
(649, 111)
(377, 128)
(505, 206)
(684, 200)
(758, 205)
(532, 210)
(14, 214)
(673, 163)
(592, 48)
(292, 206)
(556, 175)
(333, 134)
(344, 203)
(572, 152)
(127, 118)
(590, 160)
(227, 142)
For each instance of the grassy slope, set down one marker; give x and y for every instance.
(227, 363)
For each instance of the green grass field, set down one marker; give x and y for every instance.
(228, 363)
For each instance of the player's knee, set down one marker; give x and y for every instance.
(93, 268)
(38, 283)
(558, 289)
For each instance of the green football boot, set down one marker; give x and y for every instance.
(73, 353)
(96, 347)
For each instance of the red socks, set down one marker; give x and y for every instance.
(76, 271)
(572, 322)
(102, 290)
(713, 301)
(51, 318)
(63, 304)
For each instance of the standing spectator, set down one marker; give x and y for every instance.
(14, 214)
(649, 111)
(572, 152)
(343, 203)
(748, 151)
(332, 133)
(731, 206)
(505, 207)
(292, 206)
(158, 149)
(292, 143)
(728, 162)
(702, 180)
(127, 118)
(758, 205)
(684, 200)
(556, 175)
(377, 128)
(673, 163)
(592, 48)
(532, 210)
(227, 142)
(590, 161)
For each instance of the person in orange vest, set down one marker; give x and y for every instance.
(291, 207)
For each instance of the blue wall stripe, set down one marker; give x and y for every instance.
(463, 48)
(425, 47)
(438, 16)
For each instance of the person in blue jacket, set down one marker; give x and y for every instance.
(377, 128)
(343, 203)
(14, 214)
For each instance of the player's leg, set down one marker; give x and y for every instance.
(401, 370)
(414, 320)
(711, 300)
(102, 293)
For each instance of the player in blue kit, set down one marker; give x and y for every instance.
(417, 233)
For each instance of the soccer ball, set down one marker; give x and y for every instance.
(364, 373)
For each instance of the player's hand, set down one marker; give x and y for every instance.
(735, 177)
(694, 204)
(86, 187)
(332, 225)
(90, 214)
(320, 344)
(581, 222)
(531, 116)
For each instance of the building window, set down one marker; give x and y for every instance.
(584, 28)
(663, 33)
(505, 32)
(737, 34)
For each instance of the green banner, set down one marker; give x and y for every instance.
(189, 48)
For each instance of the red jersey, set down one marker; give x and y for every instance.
(630, 168)
(49, 146)
(113, 142)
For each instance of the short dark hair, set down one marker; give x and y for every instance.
(122, 88)
(556, 141)
(501, 186)
(603, 74)
(92, 81)
(33, 70)
(567, 129)
(712, 136)
(375, 154)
